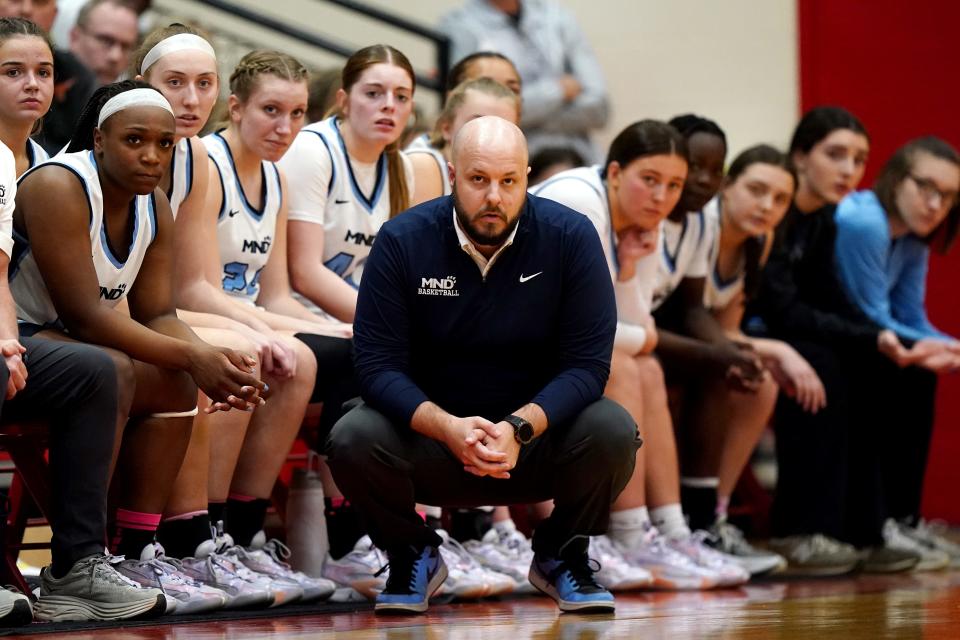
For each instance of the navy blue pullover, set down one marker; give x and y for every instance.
(429, 327)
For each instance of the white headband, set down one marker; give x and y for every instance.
(179, 42)
(133, 98)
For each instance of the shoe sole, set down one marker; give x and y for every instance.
(69, 608)
(251, 600)
(199, 606)
(629, 585)
(893, 567)
(396, 608)
(19, 614)
(819, 572)
(368, 587)
(547, 589)
(932, 565)
(692, 583)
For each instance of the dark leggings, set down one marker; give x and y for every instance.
(843, 471)
(73, 387)
(336, 382)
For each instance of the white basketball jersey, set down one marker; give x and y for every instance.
(683, 254)
(115, 277)
(244, 232)
(36, 153)
(352, 217)
(718, 292)
(419, 143)
(181, 174)
(584, 190)
(441, 164)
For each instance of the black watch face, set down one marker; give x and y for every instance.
(525, 432)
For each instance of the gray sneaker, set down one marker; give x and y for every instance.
(889, 560)
(94, 590)
(727, 538)
(816, 555)
(15, 610)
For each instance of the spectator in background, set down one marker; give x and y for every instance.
(564, 94)
(550, 161)
(69, 10)
(322, 93)
(104, 36)
(73, 82)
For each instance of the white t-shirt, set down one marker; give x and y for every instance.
(349, 198)
(683, 254)
(585, 191)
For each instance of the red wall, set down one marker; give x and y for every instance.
(896, 65)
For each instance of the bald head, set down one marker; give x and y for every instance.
(489, 176)
(490, 135)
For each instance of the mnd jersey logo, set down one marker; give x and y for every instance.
(252, 246)
(112, 294)
(438, 287)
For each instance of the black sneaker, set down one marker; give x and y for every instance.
(568, 579)
(414, 577)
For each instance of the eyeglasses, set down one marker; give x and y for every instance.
(109, 42)
(929, 190)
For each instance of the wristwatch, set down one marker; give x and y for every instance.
(522, 430)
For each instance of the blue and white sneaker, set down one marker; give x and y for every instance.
(414, 577)
(569, 580)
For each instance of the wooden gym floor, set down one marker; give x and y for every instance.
(917, 605)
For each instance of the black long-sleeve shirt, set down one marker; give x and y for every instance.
(800, 295)
(538, 328)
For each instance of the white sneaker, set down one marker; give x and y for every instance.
(362, 571)
(512, 561)
(616, 574)
(694, 546)
(242, 586)
(933, 534)
(15, 609)
(187, 595)
(466, 578)
(284, 591)
(671, 569)
(898, 536)
(727, 538)
(268, 558)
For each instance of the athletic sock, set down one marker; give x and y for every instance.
(628, 527)
(433, 516)
(180, 535)
(246, 516)
(668, 519)
(723, 506)
(343, 526)
(470, 524)
(218, 512)
(135, 530)
(699, 498)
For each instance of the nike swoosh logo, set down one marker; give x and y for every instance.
(340, 201)
(233, 212)
(524, 278)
